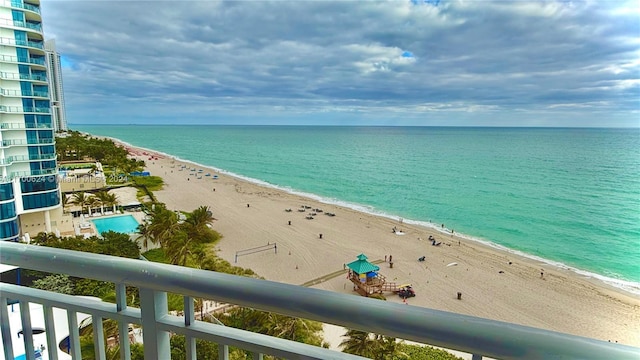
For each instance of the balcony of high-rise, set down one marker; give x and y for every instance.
(479, 337)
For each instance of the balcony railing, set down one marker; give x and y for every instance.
(28, 25)
(23, 24)
(10, 41)
(29, 7)
(23, 93)
(22, 126)
(20, 109)
(15, 59)
(24, 142)
(23, 158)
(16, 76)
(473, 335)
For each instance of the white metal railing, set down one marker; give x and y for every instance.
(17, 76)
(477, 336)
(29, 60)
(29, 7)
(14, 42)
(21, 109)
(23, 24)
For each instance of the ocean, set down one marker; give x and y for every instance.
(565, 196)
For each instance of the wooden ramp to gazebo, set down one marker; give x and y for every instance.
(390, 287)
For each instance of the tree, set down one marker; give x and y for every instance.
(57, 283)
(358, 343)
(145, 234)
(272, 324)
(198, 225)
(200, 217)
(81, 199)
(388, 348)
(180, 248)
(163, 225)
(205, 350)
(419, 352)
(102, 198)
(117, 244)
(373, 346)
(93, 202)
(111, 200)
(65, 202)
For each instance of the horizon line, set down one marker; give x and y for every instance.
(353, 125)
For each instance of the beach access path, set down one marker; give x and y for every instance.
(494, 284)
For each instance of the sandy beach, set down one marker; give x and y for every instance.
(494, 284)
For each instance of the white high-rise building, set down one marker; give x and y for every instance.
(56, 93)
(29, 191)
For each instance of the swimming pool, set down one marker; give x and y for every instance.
(123, 224)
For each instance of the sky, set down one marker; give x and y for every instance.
(322, 62)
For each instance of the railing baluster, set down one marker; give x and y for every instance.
(50, 331)
(5, 328)
(189, 318)
(27, 331)
(98, 337)
(123, 327)
(223, 352)
(153, 306)
(74, 335)
(464, 333)
(257, 356)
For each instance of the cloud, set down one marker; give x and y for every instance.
(317, 61)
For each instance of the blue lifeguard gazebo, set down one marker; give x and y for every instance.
(365, 277)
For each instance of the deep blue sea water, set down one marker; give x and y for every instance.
(568, 196)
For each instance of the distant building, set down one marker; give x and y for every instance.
(30, 200)
(56, 92)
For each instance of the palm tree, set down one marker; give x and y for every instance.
(145, 234)
(164, 224)
(93, 202)
(103, 197)
(82, 199)
(359, 343)
(110, 331)
(179, 248)
(200, 217)
(388, 348)
(65, 202)
(197, 225)
(111, 200)
(373, 346)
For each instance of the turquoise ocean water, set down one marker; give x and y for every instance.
(570, 197)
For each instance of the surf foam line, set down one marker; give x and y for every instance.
(625, 285)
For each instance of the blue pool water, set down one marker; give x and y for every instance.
(123, 224)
